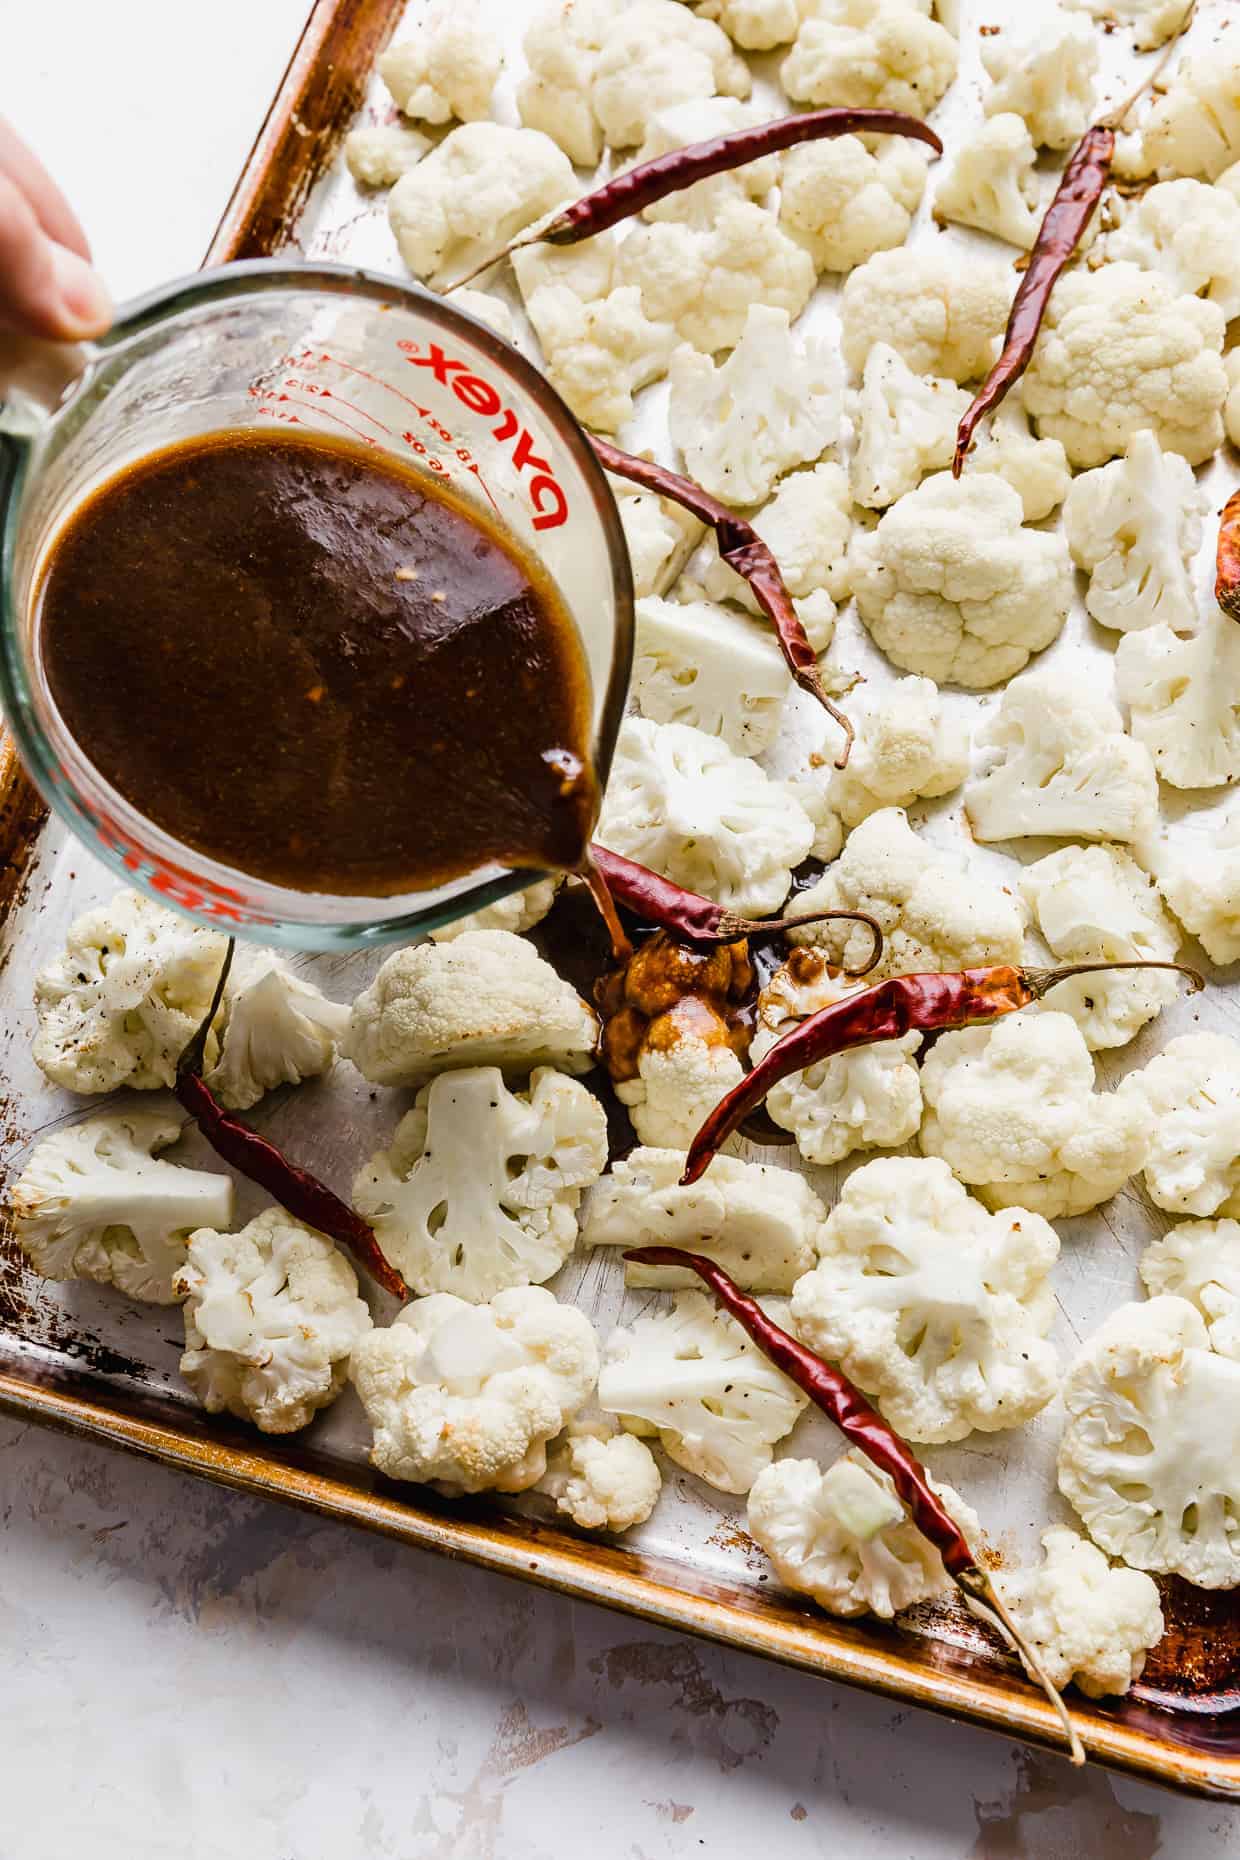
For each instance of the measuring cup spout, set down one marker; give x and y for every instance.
(35, 379)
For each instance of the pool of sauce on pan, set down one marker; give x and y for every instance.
(309, 664)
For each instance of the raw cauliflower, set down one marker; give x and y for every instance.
(1198, 872)
(1190, 232)
(685, 1066)
(1200, 1261)
(94, 1202)
(1012, 1109)
(479, 1187)
(466, 1397)
(698, 663)
(492, 311)
(905, 426)
(906, 748)
(806, 526)
(1134, 526)
(1087, 1622)
(447, 66)
(1036, 469)
(603, 69)
(763, 1225)
(123, 1001)
(704, 279)
(1046, 75)
(1150, 1454)
(934, 913)
(757, 25)
(601, 1478)
(660, 535)
(943, 315)
(702, 120)
(1059, 765)
(843, 202)
(1191, 1095)
(377, 154)
(1194, 127)
(953, 586)
(1095, 904)
(1182, 699)
(690, 1375)
(935, 1308)
(516, 913)
(478, 189)
(271, 1316)
(1153, 21)
(867, 1099)
(1120, 351)
(485, 999)
(278, 1030)
(844, 1537)
(869, 54)
(775, 403)
(597, 355)
(680, 802)
(992, 182)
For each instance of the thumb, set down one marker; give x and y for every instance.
(45, 289)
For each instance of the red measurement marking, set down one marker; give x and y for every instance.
(327, 413)
(366, 375)
(326, 393)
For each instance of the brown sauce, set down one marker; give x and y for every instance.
(309, 664)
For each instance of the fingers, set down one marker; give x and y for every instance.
(51, 209)
(46, 289)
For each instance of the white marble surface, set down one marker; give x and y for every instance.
(191, 1671)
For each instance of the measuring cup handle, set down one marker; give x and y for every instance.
(35, 378)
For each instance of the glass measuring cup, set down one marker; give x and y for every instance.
(335, 351)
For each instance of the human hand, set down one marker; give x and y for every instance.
(47, 284)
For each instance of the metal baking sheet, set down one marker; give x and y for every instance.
(82, 1358)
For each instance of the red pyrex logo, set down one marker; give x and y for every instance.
(480, 397)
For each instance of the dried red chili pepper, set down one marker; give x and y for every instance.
(301, 1193)
(830, 1389)
(741, 547)
(646, 182)
(1227, 558)
(928, 1003)
(695, 919)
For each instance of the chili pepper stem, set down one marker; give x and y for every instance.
(195, 1049)
(988, 1605)
(1041, 981)
(1114, 119)
(810, 679)
(732, 927)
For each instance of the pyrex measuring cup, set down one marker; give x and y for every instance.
(334, 351)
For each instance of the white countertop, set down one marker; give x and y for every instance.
(191, 1671)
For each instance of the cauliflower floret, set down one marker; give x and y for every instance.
(480, 1186)
(516, 913)
(447, 66)
(122, 1003)
(1087, 1623)
(1060, 766)
(844, 203)
(1154, 21)
(1191, 1094)
(466, 1397)
(683, 804)
(1120, 351)
(863, 1100)
(1150, 1455)
(951, 585)
(763, 1225)
(806, 526)
(1095, 904)
(690, 1375)
(1198, 872)
(684, 1068)
(705, 279)
(905, 426)
(271, 1316)
(661, 536)
(379, 153)
(278, 1030)
(934, 1307)
(934, 913)
(774, 404)
(492, 311)
(93, 1202)
(863, 54)
(1190, 232)
(562, 46)
(601, 1478)
(656, 55)
(1194, 127)
(942, 315)
(698, 663)
(757, 25)
(1046, 75)
(483, 185)
(597, 355)
(701, 121)
(905, 749)
(485, 999)
(1181, 694)
(1037, 469)
(1012, 1109)
(1134, 526)
(992, 182)
(844, 1537)
(1200, 1261)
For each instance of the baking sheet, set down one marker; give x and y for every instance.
(83, 1356)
